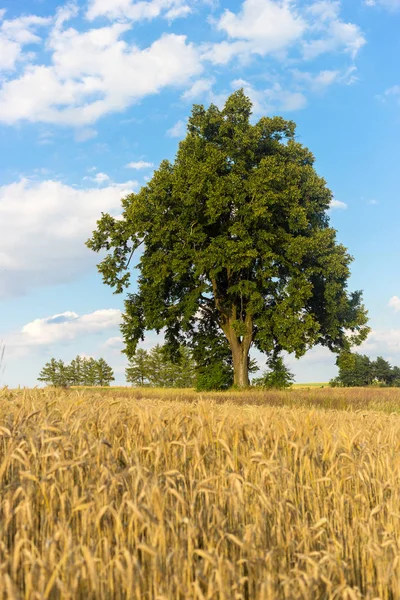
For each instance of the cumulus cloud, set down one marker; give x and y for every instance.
(69, 325)
(43, 227)
(90, 73)
(59, 329)
(394, 303)
(382, 342)
(198, 88)
(93, 73)
(264, 27)
(338, 204)
(329, 33)
(267, 24)
(15, 34)
(140, 164)
(137, 11)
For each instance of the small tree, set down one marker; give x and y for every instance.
(278, 375)
(105, 374)
(75, 371)
(89, 372)
(54, 373)
(355, 370)
(382, 371)
(137, 372)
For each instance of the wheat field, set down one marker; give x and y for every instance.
(112, 494)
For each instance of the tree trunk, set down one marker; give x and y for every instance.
(240, 366)
(240, 347)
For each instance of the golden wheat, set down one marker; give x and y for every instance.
(107, 495)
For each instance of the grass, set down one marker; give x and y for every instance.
(168, 494)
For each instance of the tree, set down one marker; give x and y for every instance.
(355, 370)
(105, 374)
(236, 234)
(75, 371)
(89, 372)
(137, 372)
(54, 373)
(278, 376)
(396, 377)
(382, 371)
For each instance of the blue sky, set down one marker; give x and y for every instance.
(93, 95)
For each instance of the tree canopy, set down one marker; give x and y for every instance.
(235, 241)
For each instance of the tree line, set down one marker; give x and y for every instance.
(156, 369)
(358, 370)
(80, 371)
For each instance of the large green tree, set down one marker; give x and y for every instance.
(235, 232)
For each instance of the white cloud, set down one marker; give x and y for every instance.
(338, 204)
(178, 130)
(269, 25)
(93, 73)
(43, 228)
(331, 33)
(382, 342)
(271, 99)
(68, 326)
(133, 10)
(14, 35)
(115, 342)
(391, 5)
(101, 178)
(323, 79)
(140, 164)
(199, 87)
(394, 303)
(275, 26)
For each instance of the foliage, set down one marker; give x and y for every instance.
(277, 377)
(357, 370)
(55, 373)
(214, 376)
(81, 371)
(236, 240)
(138, 370)
(156, 368)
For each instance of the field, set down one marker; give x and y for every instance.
(168, 494)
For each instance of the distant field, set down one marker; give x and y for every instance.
(308, 385)
(168, 494)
